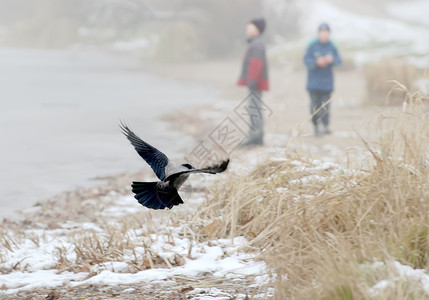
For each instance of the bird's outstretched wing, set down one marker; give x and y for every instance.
(155, 158)
(219, 168)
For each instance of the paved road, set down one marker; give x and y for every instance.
(59, 114)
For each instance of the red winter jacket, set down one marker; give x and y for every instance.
(254, 73)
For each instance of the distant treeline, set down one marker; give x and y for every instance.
(193, 28)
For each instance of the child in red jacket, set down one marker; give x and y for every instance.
(254, 75)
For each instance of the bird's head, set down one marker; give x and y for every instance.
(188, 166)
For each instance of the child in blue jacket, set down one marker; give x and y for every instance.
(320, 58)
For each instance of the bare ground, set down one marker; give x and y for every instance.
(287, 98)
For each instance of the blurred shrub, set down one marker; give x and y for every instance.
(187, 28)
(380, 80)
(180, 41)
(220, 24)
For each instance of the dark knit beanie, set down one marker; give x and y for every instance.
(324, 27)
(259, 23)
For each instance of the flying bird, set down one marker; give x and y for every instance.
(163, 193)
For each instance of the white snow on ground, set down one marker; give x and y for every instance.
(34, 256)
(206, 260)
(308, 179)
(404, 274)
(17, 281)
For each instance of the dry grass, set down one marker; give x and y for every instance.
(321, 227)
(130, 242)
(80, 235)
(379, 81)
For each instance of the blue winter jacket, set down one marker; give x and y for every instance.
(320, 79)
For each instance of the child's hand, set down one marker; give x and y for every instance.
(321, 61)
(329, 59)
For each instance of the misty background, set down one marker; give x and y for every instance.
(194, 29)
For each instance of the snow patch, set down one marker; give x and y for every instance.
(404, 273)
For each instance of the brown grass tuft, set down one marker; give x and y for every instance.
(379, 81)
(322, 227)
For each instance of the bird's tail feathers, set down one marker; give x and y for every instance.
(150, 195)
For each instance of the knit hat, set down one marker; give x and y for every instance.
(324, 27)
(259, 23)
